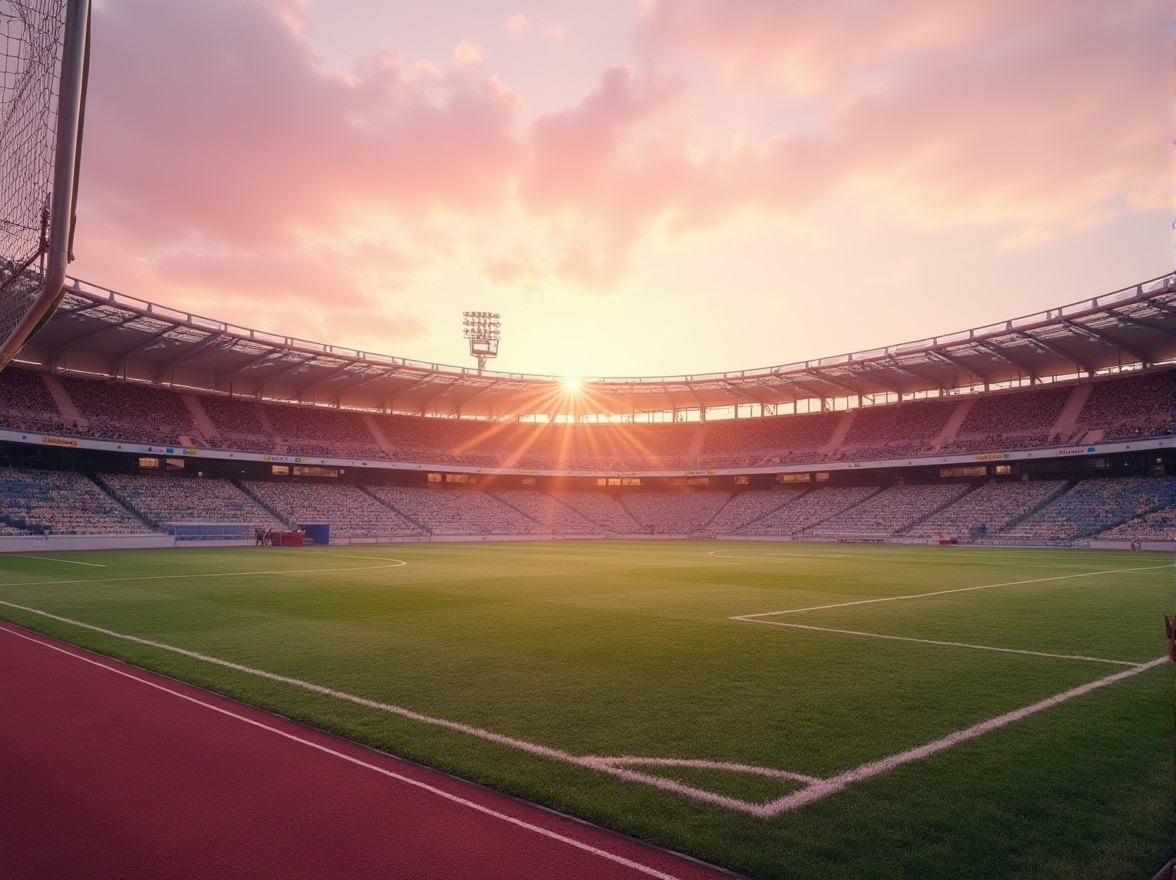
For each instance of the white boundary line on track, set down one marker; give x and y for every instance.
(54, 559)
(457, 799)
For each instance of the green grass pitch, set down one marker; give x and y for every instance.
(784, 710)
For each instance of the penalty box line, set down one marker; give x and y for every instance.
(1060, 577)
(759, 618)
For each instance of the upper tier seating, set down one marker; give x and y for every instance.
(1128, 406)
(124, 411)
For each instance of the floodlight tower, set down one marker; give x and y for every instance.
(483, 330)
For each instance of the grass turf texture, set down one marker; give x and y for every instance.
(627, 648)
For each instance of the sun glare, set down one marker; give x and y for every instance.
(571, 386)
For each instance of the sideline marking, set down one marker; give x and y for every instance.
(618, 766)
(53, 559)
(1060, 577)
(457, 799)
(392, 709)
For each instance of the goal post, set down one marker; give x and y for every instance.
(45, 58)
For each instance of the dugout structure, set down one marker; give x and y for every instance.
(44, 54)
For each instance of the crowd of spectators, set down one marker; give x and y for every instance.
(1141, 405)
(168, 498)
(896, 430)
(26, 404)
(127, 411)
(350, 511)
(808, 509)
(888, 512)
(1119, 508)
(455, 511)
(1010, 420)
(1159, 525)
(61, 503)
(316, 430)
(674, 513)
(1124, 407)
(767, 441)
(1094, 506)
(748, 506)
(552, 516)
(988, 510)
(236, 424)
(602, 509)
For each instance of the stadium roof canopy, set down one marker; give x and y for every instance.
(100, 332)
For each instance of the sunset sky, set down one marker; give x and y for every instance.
(639, 187)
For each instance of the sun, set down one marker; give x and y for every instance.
(571, 386)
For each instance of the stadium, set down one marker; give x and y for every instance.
(1052, 429)
(280, 607)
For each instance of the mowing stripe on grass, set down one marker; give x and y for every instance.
(1060, 577)
(853, 632)
(424, 786)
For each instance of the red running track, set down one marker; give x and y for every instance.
(107, 771)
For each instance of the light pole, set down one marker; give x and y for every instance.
(483, 330)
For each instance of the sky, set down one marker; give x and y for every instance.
(638, 187)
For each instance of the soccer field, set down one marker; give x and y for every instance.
(780, 709)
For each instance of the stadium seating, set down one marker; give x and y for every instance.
(1094, 506)
(124, 411)
(1123, 407)
(455, 511)
(886, 513)
(350, 511)
(1133, 406)
(988, 510)
(160, 499)
(61, 503)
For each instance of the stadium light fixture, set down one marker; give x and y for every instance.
(484, 331)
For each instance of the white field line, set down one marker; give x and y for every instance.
(392, 563)
(457, 799)
(54, 559)
(898, 557)
(1060, 577)
(719, 554)
(869, 635)
(875, 768)
(522, 745)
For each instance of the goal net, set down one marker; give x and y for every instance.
(43, 59)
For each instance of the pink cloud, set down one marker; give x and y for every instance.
(264, 143)
(241, 163)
